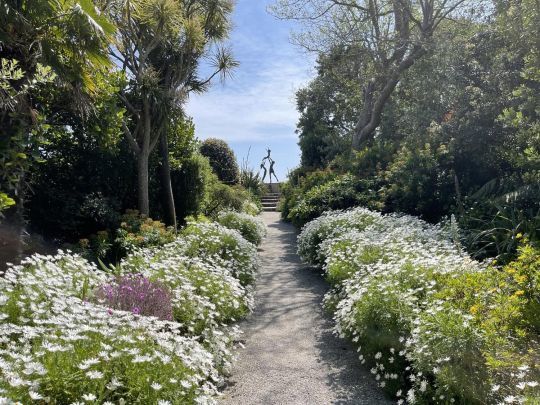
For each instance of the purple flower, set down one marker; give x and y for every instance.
(138, 295)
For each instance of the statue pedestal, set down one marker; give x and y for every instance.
(273, 188)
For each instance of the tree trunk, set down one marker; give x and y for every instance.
(373, 107)
(170, 212)
(365, 115)
(142, 174)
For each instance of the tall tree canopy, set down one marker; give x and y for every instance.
(388, 37)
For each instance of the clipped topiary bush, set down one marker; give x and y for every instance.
(221, 159)
(191, 183)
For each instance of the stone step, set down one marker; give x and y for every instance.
(270, 201)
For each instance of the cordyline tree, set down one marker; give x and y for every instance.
(389, 36)
(159, 46)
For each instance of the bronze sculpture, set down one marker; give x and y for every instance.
(263, 166)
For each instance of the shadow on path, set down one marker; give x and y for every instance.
(291, 355)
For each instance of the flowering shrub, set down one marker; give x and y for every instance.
(71, 333)
(251, 228)
(56, 346)
(205, 298)
(137, 294)
(434, 325)
(137, 231)
(328, 225)
(216, 244)
(251, 207)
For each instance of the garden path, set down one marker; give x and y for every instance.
(290, 355)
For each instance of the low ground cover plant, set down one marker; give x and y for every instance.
(158, 328)
(434, 325)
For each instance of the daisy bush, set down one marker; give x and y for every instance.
(216, 244)
(206, 298)
(250, 227)
(158, 329)
(433, 325)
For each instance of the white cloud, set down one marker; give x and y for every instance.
(254, 106)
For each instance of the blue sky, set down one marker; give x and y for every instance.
(256, 108)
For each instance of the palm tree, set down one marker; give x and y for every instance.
(159, 46)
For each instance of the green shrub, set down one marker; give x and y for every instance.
(251, 207)
(340, 193)
(136, 231)
(250, 227)
(299, 183)
(491, 226)
(252, 182)
(221, 159)
(434, 325)
(491, 319)
(222, 197)
(417, 182)
(191, 182)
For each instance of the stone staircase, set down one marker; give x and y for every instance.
(270, 200)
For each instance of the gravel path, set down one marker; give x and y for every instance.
(290, 355)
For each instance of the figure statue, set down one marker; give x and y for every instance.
(272, 172)
(267, 156)
(263, 167)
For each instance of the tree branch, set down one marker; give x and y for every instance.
(131, 140)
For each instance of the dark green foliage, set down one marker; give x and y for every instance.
(222, 197)
(252, 182)
(414, 184)
(190, 183)
(80, 189)
(343, 192)
(328, 108)
(494, 220)
(221, 159)
(36, 57)
(134, 231)
(300, 181)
